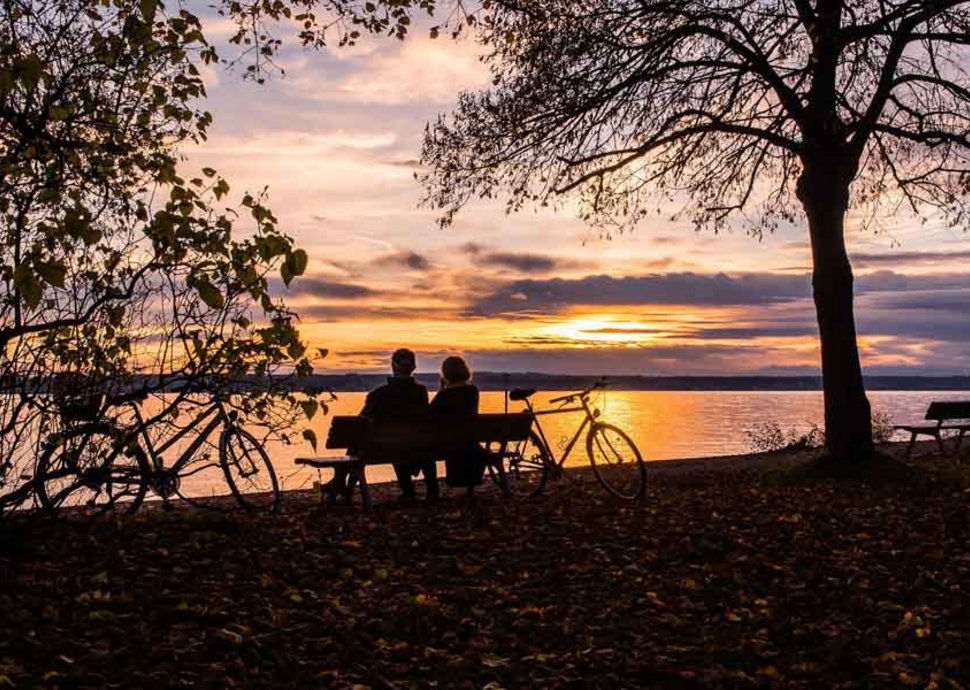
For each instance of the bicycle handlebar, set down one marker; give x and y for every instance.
(567, 398)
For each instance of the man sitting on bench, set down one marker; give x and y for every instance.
(400, 398)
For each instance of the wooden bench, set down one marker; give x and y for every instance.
(949, 416)
(372, 442)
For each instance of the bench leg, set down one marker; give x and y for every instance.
(498, 462)
(503, 479)
(365, 490)
(960, 441)
(939, 443)
(912, 443)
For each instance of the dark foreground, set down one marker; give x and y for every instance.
(740, 579)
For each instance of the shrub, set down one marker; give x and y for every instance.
(768, 437)
(882, 427)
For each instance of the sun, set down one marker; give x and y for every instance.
(605, 329)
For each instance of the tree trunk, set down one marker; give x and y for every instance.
(848, 419)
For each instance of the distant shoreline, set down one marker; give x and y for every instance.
(495, 381)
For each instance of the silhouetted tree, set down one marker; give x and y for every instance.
(752, 110)
(115, 264)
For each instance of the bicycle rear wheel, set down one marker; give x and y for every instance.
(89, 470)
(616, 462)
(249, 472)
(525, 465)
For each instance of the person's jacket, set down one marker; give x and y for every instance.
(464, 467)
(400, 398)
(460, 401)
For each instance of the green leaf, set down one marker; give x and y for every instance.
(59, 112)
(295, 349)
(30, 289)
(49, 195)
(148, 8)
(116, 315)
(53, 273)
(220, 188)
(310, 408)
(210, 294)
(285, 273)
(78, 225)
(31, 70)
(311, 436)
(91, 235)
(297, 261)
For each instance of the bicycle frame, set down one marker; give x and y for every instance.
(588, 420)
(156, 454)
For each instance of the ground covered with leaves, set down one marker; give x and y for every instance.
(748, 578)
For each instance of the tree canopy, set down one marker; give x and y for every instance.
(738, 111)
(714, 106)
(120, 269)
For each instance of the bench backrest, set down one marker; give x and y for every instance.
(430, 434)
(943, 411)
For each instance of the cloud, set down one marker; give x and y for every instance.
(926, 331)
(370, 312)
(557, 294)
(337, 140)
(410, 163)
(749, 332)
(319, 287)
(407, 259)
(677, 359)
(522, 262)
(864, 260)
(957, 301)
(402, 73)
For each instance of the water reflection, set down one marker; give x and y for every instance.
(664, 424)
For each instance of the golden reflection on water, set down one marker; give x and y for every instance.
(664, 424)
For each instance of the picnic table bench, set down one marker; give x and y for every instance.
(949, 416)
(377, 442)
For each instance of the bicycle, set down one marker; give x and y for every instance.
(98, 464)
(613, 456)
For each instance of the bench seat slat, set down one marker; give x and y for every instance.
(922, 428)
(335, 461)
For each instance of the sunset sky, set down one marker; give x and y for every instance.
(337, 140)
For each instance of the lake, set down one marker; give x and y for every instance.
(664, 424)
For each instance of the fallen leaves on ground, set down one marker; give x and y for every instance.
(720, 579)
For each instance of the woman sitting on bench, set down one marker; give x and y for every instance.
(458, 398)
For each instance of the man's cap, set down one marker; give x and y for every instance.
(403, 359)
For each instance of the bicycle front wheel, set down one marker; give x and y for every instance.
(89, 470)
(616, 462)
(525, 466)
(249, 473)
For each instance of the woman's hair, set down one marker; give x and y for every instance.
(454, 370)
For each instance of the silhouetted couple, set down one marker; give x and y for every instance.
(402, 398)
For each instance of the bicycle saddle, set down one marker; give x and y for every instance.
(521, 393)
